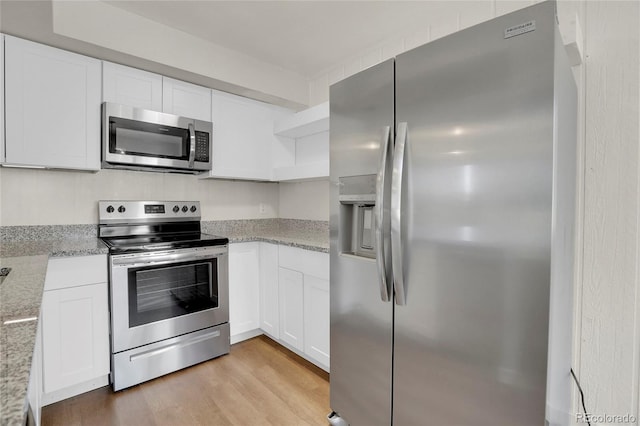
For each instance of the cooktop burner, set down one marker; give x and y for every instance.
(139, 226)
(139, 243)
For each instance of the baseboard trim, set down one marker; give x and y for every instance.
(59, 395)
(237, 338)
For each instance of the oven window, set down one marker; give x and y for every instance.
(182, 288)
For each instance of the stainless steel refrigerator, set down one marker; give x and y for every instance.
(452, 231)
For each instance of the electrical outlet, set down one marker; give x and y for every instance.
(262, 208)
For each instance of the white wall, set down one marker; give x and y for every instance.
(304, 200)
(607, 288)
(446, 22)
(609, 353)
(454, 16)
(46, 197)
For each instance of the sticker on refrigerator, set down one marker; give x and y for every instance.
(520, 29)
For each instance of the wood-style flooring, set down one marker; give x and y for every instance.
(258, 383)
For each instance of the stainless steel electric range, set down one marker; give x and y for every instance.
(168, 288)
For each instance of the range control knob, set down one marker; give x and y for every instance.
(121, 209)
(193, 209)
(176, 209)
(185, 208)
(110, 209)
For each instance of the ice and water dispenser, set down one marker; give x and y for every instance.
(357, 220)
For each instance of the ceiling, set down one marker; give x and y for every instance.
(306, 37)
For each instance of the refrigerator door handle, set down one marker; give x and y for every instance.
(381, 184)
(396, 215)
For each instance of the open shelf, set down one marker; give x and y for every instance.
(304, 123)
(302, 172)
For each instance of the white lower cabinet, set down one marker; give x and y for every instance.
(281, 291)
(291, 307)
(75, 327)
(304, 302)
(316, 318)
(269, 297)
(244, 290)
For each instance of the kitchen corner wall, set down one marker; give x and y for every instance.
(52, 197)
(304, 200)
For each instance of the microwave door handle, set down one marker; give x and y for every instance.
(192, 145)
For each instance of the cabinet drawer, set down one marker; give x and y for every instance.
(65, 272)
(308, 262)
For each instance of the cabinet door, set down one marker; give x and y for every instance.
(291, 307)
(242, 137)
(186, 99)
(131, 86)
(316, 318)
(269, 306)
(52, 100)
(75, 335)
(244, 309)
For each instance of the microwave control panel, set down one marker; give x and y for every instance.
(202, 147)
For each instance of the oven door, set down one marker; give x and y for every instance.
(157, 296)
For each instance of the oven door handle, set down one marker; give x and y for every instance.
(161, 258)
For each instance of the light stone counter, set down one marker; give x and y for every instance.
(305, 234)
(20, 300)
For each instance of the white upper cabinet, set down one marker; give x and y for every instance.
(131, 86)
(53, 113)
(142, 89)
(243, 137)
(186, 99)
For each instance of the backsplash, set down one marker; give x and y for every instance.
(54, 197)
(304, 200)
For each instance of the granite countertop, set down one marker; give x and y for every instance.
(305, 234)
(308, 241)
(26, 250)
(20, 300)
(53, 248)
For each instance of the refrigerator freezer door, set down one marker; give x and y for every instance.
(361, 322)
(470, 345)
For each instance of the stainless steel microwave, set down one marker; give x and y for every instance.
(139, 139)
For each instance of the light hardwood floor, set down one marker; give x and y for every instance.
(258, 383)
